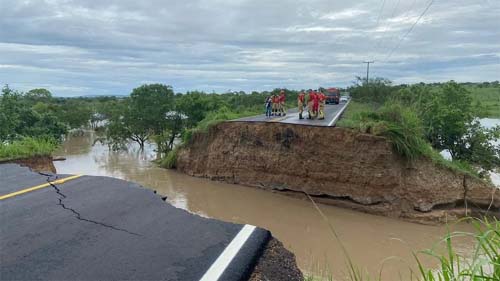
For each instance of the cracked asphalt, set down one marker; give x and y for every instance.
(101, 228)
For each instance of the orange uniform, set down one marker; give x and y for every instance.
(300, 102)
(322, 100)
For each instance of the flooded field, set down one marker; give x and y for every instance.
(373, 242)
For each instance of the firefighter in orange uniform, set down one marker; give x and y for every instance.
(282, 103)
(315, 103)
(301, 101)
(322, 102)
(310, 104)
(275, 105)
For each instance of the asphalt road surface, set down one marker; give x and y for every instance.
(332, 114)
(100, 228)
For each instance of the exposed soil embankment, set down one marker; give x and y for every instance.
(336, 165)
(36, 163)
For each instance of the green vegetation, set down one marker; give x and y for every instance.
(414, 117)
(486, 95)
(420, 119)
(26, 147)
(170, 161)
(35, 122)
(483, 264)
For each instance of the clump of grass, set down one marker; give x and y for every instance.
(27, 147)
(399, 124)
(484, 264)
(214, 118)
(170, 161)
(403, 128)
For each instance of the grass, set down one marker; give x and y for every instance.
(482, 264)
(27, 147)
(170, 161)
(403, 128)
(352, 115)
(489, 97)
(214, 118)
(397, 123)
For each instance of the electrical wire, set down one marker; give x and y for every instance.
(409, 31)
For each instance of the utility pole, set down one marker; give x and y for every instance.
(368, 70)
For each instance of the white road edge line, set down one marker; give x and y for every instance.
(217, 268)
(334, 120)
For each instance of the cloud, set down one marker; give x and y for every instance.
(110, 47)
(344, 14)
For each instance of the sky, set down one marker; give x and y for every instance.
(75, 48)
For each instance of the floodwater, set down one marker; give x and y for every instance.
(373, 242)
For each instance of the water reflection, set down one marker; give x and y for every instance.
(370, 240)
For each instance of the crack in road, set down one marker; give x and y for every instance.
(78, 216)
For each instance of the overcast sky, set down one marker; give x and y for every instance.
(110, 47)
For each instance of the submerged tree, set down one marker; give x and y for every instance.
(142, 115)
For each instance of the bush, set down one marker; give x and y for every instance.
(404, 129)
(170, 161)
(399, 124)
(214, 118)
(27, 147)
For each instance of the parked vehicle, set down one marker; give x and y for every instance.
(332, 96)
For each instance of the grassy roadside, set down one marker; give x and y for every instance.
(27, 147)
(401, 127)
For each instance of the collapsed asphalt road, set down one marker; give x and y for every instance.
(100, 228)
(332, 114)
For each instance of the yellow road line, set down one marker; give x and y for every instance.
(59, 181)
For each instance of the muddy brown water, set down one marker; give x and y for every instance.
(373, 242)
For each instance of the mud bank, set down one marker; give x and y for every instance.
(36, 163)
(354, 170)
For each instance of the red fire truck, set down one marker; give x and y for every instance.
(332, 95)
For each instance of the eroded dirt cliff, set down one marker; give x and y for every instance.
(37, 163)
(336, 165)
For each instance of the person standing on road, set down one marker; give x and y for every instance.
(315, 104)
(282, 103)
(309, 103)
(301, 100)
(274, 101)
(269, 104)
(322, 101)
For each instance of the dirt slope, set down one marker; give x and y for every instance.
(36, 163)
(338, 166)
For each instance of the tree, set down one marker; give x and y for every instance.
(378, 91)
(74, 112)
(9, 113)
(450, 121)
(39, 94)
(19, 119)
(143, 115)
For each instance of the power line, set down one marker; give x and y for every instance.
(380, 14)
(409, 30)
(386, 26)
(402, 15)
